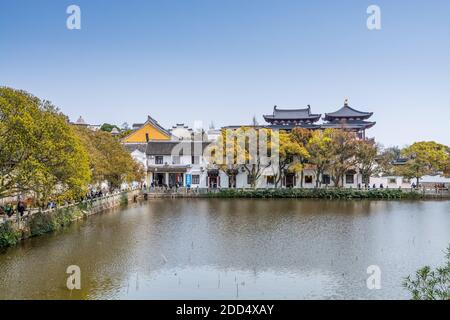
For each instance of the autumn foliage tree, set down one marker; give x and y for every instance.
(342, 154)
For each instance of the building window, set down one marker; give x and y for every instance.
(195, 159)
(270, 180)
(308, 179)
(365, 179)
(195, 179)
(159, 160)
(406, 180)
(326, 179)
(392, 181)
(249, 179)
(349, 178)
(176, 159)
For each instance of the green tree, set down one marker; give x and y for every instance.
(108, 127)
(430, 284)
(386, 159)
(426, 157)
(39, 151)
(108, 159)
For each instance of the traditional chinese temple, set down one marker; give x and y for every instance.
(345, 118)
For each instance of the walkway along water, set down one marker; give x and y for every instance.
(38, 222)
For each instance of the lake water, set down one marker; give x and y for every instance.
(233, 249)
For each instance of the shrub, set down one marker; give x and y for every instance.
(9, 236)
(314, 193)
(430, 284)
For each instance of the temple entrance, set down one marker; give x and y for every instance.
(159, 179)
(290, 180)
(213, 179)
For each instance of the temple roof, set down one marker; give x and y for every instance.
(81, 121)
(292, 115)
(347, 112)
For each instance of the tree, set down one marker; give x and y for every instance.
(386, 159)
(319, 149)
(342, 154)
(223, 154)
(254, 163)
(430, 284)
(39, 151)
(108, 159)
(108, 127)
(426, 157)
(366, 159)
(301, 138)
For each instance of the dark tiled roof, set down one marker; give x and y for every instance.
(347, 112)
(157, 125)
(292, 114)
(135, 146)
(164, 148)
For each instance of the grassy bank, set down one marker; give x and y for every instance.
(316, 193)
(11, 233)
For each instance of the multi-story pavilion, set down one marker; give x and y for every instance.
(350, 119)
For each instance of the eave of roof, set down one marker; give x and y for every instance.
(349, 124)
(164, 148)
(347, 112)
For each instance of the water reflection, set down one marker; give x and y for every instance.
(220, 248)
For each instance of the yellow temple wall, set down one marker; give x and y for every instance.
(139, 136)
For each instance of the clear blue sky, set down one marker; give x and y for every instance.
(227, 60)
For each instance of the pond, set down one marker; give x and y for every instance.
(233, 249)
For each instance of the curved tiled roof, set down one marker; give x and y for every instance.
(292, 114)
(347, 112)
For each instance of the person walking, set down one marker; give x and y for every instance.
(9, 210)
(21, 208)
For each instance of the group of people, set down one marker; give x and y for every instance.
(9, 209)
(374, 186)
(164, 185)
